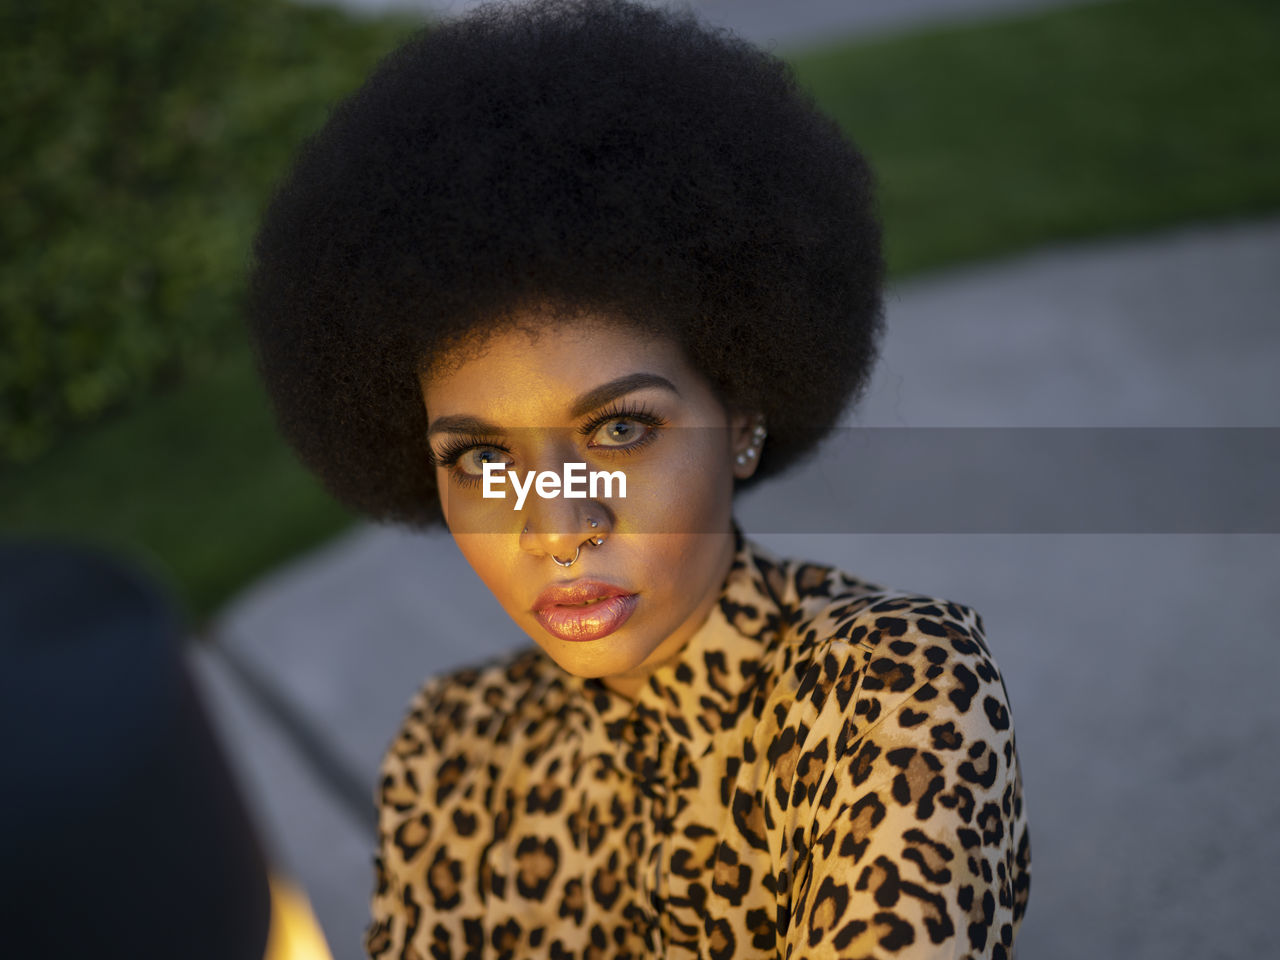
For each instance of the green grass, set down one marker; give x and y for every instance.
(1121, 117)
(1098, 120)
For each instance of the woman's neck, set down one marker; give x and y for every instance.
(629, 684)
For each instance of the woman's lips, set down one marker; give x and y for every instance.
(587, 621)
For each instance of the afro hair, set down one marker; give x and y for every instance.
(599, 155)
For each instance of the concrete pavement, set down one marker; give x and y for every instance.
(1140, 667)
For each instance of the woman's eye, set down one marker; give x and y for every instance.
(472, 462)
(619, 432)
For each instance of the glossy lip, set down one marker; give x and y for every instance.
(583, 609)
(589, 622)
(575, 592)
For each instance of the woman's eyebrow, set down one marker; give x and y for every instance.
(597, 397)
(461, 424)
(616, 388)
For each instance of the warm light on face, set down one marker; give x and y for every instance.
(611, 400)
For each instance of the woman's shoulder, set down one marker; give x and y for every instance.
(458, 716)
(891, 740)
(843, 634)
(501, 686)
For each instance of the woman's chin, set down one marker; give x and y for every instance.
(608, 656)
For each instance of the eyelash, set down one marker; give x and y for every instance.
(453, 450)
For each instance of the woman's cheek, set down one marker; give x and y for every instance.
(466, 511)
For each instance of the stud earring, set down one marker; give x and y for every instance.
(757, 439)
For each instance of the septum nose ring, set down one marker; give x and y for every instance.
(568, 563)
(594, 541)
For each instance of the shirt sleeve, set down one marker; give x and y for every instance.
(407, 824)
(392, 916)
(918, 846)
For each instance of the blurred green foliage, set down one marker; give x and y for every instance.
(139, 144)
(141, 141)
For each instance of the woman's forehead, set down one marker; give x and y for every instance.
(553, 367)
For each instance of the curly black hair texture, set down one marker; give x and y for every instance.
(598, 156)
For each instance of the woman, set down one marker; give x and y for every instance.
(584, 235)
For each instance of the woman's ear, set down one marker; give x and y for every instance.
(747, 433)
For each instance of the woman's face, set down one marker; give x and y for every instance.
(613, 399)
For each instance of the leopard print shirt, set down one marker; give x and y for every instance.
(828, 769)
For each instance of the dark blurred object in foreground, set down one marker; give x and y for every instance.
(121, 832)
